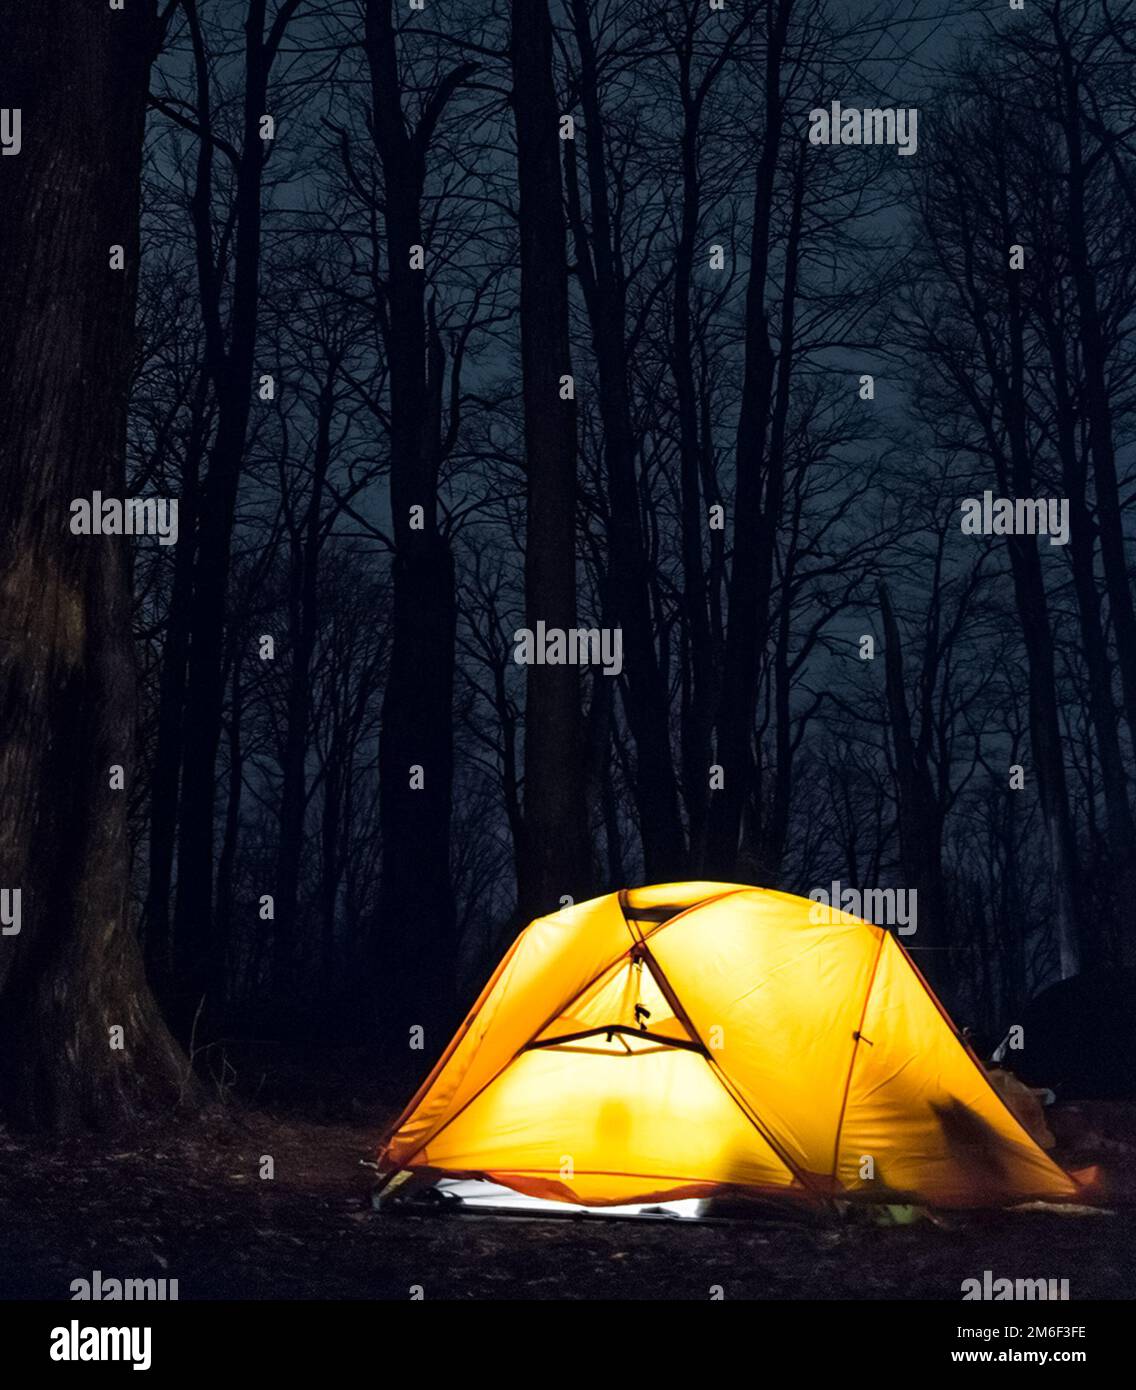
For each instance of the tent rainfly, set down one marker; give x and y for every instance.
(697, 1039)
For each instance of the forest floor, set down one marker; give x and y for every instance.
(186, 1201)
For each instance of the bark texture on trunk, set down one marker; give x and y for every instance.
(73, 973)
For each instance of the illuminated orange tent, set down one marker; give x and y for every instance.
(699, 1038)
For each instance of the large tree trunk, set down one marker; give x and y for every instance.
(760, 477)
(417, 938)
(199, 949)
(629, 598)
(73, 973)
(556, 853)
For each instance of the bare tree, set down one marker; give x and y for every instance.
(416, 742)
(556, 855)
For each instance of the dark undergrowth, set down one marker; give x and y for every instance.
(186, 1201)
